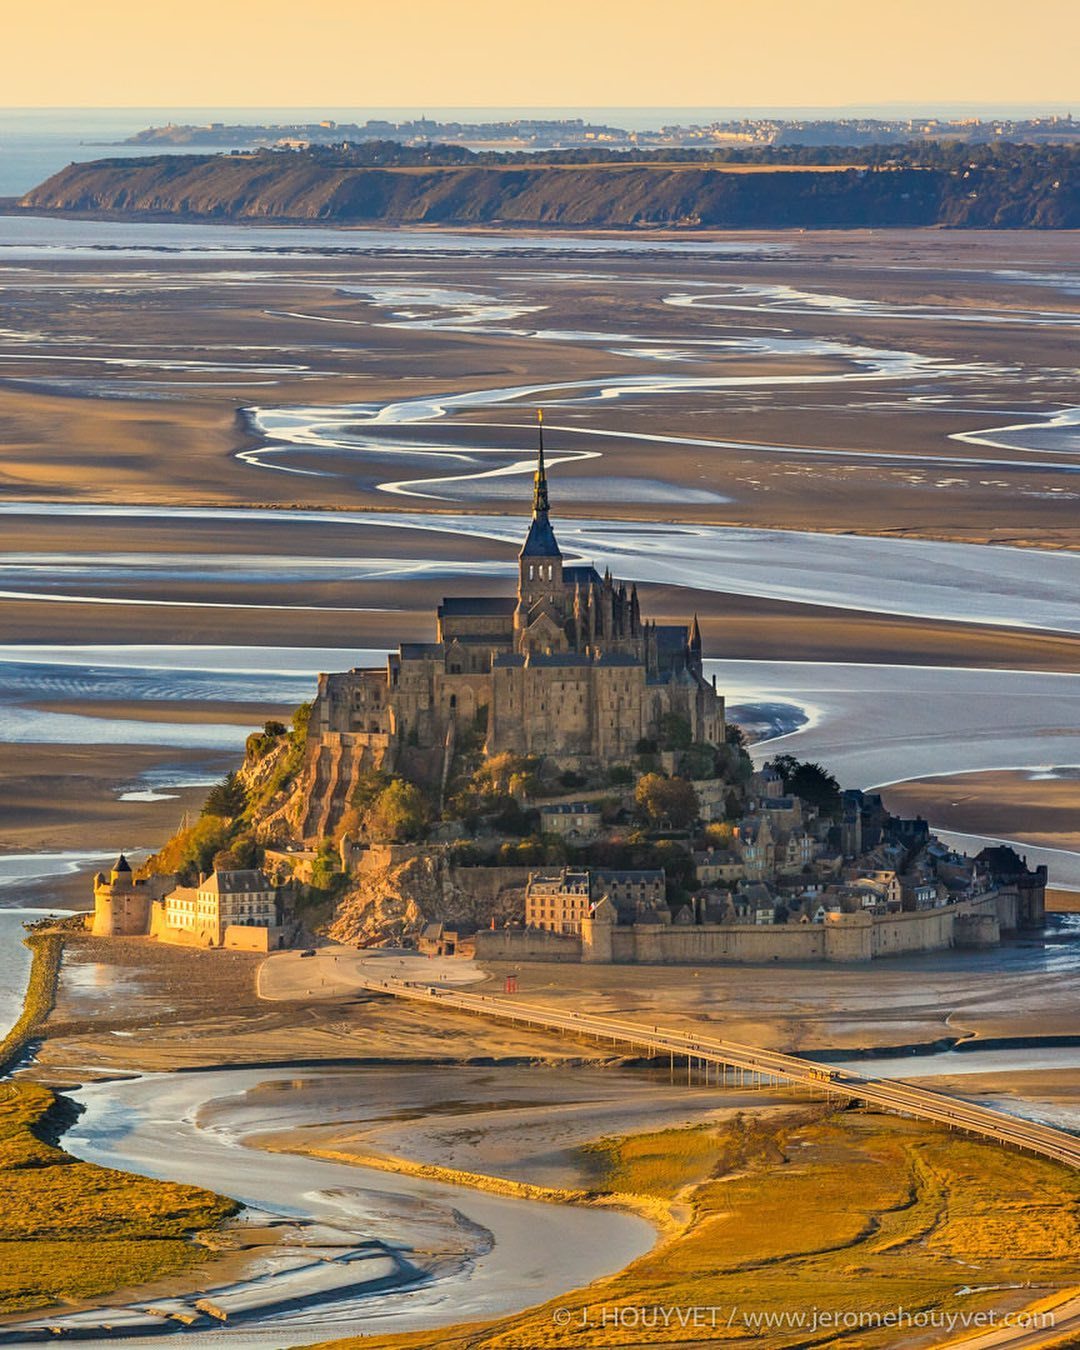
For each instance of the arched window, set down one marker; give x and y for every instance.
(531, 571)
(453, 700)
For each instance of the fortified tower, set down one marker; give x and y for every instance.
(121, 904)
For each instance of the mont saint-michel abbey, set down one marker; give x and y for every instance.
(566, 669)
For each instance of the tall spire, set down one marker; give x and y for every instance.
(540, 488)
(540, 541)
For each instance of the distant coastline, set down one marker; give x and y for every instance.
(1013, 187)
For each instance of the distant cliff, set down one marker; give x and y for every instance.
(1034, 192)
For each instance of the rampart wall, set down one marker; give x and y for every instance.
(842, 938)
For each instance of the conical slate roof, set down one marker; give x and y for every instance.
(540, 542)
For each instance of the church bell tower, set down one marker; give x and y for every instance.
(540, 561)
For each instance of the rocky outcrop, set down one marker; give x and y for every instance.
(389, 903)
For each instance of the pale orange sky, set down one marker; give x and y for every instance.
(466, 53)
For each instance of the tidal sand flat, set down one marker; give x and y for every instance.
(411, 368)
(896, 384)
(1039, 804)
(193, 705)
(523, 1124)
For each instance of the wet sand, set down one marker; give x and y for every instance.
(520, 1124)
(1024, 990)
(131, 1004)
(135, 1005)
(108, 408)
(58, 797)
(836, 382)
(1038, 806)
(122, 380)
(367, 1079)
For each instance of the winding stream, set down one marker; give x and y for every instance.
(469, 1254)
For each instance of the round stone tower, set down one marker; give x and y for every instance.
(121, 904)
(596, 933)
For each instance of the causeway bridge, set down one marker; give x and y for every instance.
(704, 1059)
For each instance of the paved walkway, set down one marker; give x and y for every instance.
(335, 972)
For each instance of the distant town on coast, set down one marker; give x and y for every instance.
(551, 133)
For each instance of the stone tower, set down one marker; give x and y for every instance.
(596, 933)
(121, 904)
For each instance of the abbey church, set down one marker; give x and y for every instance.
(567, 669)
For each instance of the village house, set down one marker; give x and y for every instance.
(239, 909)
(571, 820)
(205, 913)
(559, 901)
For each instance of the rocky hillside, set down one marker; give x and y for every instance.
(395, 901)
(306, 187)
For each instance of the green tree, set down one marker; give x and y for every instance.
(241, 854)
(733, 764)
(199, 846)
(698, 761)
(675, 732)
(667, 801)
(325, 869)
(226, 799)
(811, 782)
(398, 814)
(506, 774)
(369, 787)
(511, 817)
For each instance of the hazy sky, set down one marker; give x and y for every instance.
(427, 53)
